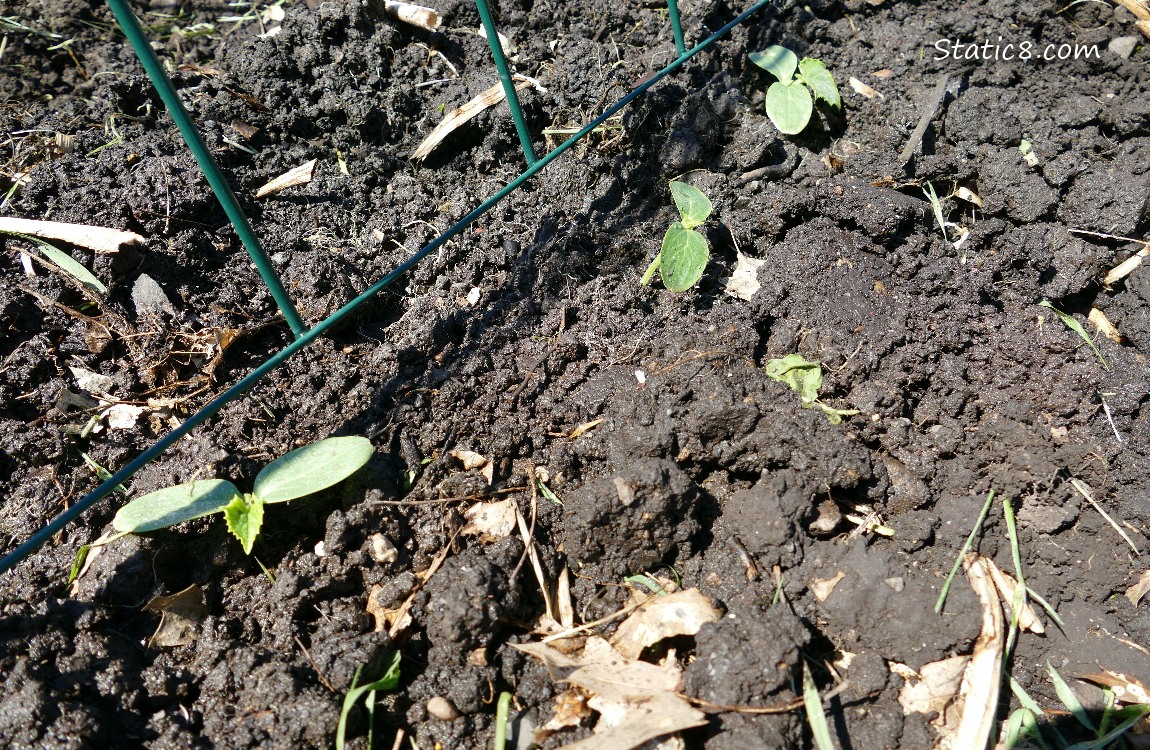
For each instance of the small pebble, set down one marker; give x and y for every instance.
(1123, 46)
(442, 709)
(382, 550)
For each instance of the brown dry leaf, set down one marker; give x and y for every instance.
(460, 115)
(490, 521)
(301, 175)
(662, 617)
(744, 282)
(822, 587)
(637, 701)
(933, 688)
(1138, 590)
(472, 460)
(570, 710)
(181, 615)
(861, 88)
(983, 678)
(1126, 689)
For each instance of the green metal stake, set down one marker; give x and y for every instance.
(677, 27)
(508, 84)
(155, 71)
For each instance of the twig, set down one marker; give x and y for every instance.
(456, 499)
(1085, 492)
(319, 673)
(933, 103)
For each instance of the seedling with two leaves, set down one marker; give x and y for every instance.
(789, 101)
(685, 252)
(301, 472)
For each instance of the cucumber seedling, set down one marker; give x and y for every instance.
(685, 252)
(301, 472)
(789, 100)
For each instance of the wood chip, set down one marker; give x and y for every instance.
(1099, 320)
(416, 15)
(98, 239)
(822, 587)
(301, 175)
(1126, 267)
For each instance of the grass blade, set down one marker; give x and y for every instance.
(1138, 713)
(1075, 326)
(1069, 699)
(502, 710)
(962, 553)
(816, 718)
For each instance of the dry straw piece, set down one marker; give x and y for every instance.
(416, 15)
(301, 175)
(99, 239)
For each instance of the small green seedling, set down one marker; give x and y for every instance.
(789, 100)
(685, 252)
(1075, 326)
(302, 472)
(805, 378)
(388, 682)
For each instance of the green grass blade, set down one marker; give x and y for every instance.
(1075, 326)
(65, 262)
(936, 205)
(502, 711)
(1069, 699)
(962, 553)
(816, 717)
(1031, 705)
(388, 682)
(1103, 741)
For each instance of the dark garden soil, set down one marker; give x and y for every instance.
(532, 323)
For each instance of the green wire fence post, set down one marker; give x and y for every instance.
(223, 191)
(676, 27)
(505, 77)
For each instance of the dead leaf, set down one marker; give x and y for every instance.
(983, 678)
(181, 615)
(822, 587)
(1138, 590)
(932, 689)
(472, 460)
(744, 282)
(490, 521)
(1126, 689)
(861, 88)
(662, 617)
(123, 416)
(301, 175)
(637, 701)
(1007, 589)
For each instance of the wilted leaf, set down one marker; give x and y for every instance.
(744, 282)
(637, 701)
(803, 377)
(490, 521)
(472, 460)
(312, 468)
(681, 613)
(181, 615)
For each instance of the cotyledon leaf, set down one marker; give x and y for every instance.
(694, 207)
(311, 468)
(685, 253)
(172, 505)
(777, 60)
(789, 107)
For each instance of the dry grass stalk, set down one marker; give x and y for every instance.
(416, 15)
(301, 175)
(983, 678)
(459, 116)
(98, 239)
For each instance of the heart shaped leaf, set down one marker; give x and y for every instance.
(685, 253)
(172, 505)
(789, 107)
(779, 61)
(311, 468)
